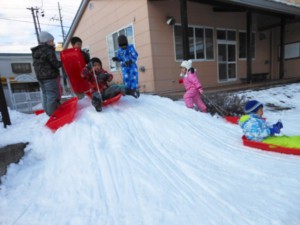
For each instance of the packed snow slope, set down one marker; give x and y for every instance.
(150, 161)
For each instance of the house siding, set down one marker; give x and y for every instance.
(102, 18)
(154, 40)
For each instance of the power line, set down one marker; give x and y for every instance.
(32, 22)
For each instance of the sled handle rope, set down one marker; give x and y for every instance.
(223, 112)
(95, 77)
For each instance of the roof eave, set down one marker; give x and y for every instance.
(75, 22)
(269, 5)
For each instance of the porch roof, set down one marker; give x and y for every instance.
(282, 7)
(275, 7)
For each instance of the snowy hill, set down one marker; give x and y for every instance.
(150, 161)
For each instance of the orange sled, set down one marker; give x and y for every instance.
(270, 147)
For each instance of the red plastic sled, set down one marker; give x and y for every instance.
(63, 115)
(112, 100)
(73, 63)
(270, 147)
(107, 101)
(232, 119)
(39, 111)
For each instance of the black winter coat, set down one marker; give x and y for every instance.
(45, 62)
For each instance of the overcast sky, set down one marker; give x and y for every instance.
(17, 32)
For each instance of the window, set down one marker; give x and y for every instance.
(201, 45)
(243, 44)
(20, 68)
(291, 50)
(226, 40)
(112, 42)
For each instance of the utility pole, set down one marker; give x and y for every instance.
(34, 21)
(61, 23)
(37, 19)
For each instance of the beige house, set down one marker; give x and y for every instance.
(229, 41)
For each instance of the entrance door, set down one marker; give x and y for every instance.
(226, 55)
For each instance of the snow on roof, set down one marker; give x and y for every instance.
(295, 3)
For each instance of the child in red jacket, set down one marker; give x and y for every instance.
(100, 90)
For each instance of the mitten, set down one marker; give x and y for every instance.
(180, 81)
(128, 63)
(275, 129)
(102, 76)
(115, 59)
(279, 124)
(89, 66)
(85, 72)
(200, 91)
(192, 70)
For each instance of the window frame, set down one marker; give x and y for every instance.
(194, 27)
(227, 43)
(21, 68)
(286, 49)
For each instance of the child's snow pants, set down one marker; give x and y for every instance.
(192, 97)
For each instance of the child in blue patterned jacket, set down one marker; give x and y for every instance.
(127, 55)
(254, 126)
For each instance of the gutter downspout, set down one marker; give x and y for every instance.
(282, 42)
(248, 46)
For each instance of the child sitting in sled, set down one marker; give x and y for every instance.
(255, 127)
(98, 79)
(192, 86)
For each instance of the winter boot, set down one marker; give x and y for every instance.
(132, 92)
(98, 107)
(137, 93)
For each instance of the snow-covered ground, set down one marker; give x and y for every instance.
(151, 161)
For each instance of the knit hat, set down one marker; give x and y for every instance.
(187, 64)
(44, 37)
(252, 106)
(122, 40)
(96, 60)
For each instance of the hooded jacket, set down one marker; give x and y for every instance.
(45, 62)
(191, 82)
(254, 127)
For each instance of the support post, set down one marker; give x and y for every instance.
(248, 46)
(282, 40)
(184, 26)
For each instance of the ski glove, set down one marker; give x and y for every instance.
(102, 77)
(128, 63)
(85, 72)
(279, 125)
(115, 59)
(180, 81)
(275, 129)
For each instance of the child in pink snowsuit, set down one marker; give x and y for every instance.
(192, 86)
